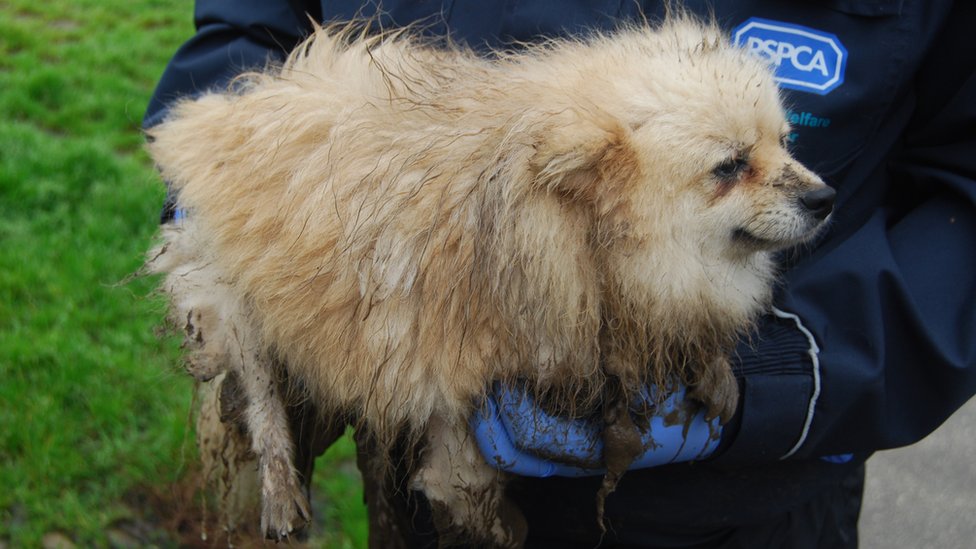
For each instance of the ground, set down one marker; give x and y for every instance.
(924, 495)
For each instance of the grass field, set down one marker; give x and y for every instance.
(93, 407)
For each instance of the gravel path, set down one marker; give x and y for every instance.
(924, 496)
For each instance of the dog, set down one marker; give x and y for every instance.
(396, 225)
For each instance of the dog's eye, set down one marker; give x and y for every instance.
(731, 168)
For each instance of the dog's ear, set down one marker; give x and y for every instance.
(581, 157)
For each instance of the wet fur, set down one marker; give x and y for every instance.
(401, 225)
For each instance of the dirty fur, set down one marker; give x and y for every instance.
(401, 225)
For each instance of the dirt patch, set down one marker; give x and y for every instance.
(176, 515)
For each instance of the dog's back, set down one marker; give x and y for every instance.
(381, 223)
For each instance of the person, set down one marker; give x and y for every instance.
(872, 343)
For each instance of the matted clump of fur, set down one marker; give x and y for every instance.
(401, 225)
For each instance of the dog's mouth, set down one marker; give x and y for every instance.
(745, 238)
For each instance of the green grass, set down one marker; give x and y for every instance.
(92, 404)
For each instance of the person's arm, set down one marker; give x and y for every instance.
(231, 38)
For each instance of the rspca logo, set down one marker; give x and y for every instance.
(804, 59)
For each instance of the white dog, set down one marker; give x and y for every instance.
(401, 225)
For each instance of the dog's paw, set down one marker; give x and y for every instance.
(284, 514)
(284, 507)
(718, 390)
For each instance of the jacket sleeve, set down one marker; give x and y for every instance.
(231, 37)
(874, 345)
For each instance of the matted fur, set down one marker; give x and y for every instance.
(402, 225)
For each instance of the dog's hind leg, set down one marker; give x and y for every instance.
(466, 495)
(284, 507)
(229, 465)
(220, 337)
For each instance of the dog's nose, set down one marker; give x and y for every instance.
(820, 202)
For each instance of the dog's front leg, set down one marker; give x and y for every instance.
(717, 389)
(466, 495)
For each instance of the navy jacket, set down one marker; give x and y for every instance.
(873, 344)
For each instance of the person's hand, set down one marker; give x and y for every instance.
(517, 436)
